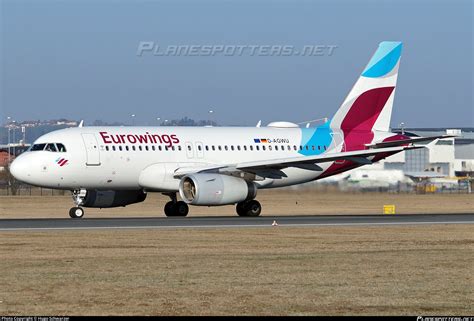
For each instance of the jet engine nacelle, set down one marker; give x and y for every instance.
(95, 198)
(215, 189)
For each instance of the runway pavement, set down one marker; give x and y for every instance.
(231, 222)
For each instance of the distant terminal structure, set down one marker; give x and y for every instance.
(8, 152)
(441, 165)
(450, 157)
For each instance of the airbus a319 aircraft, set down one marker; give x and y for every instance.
(212, 166)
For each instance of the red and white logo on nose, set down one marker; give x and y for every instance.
(61, 161)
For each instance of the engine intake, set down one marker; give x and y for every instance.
(104, 199)
(215, 189)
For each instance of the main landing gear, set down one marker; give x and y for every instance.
(175, 208)
(78, 197)
(250, 208)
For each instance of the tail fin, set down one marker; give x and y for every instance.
(369, 104)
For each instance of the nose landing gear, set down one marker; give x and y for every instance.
(78, 198)
(76, 212)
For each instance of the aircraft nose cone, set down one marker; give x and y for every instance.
(18, 168)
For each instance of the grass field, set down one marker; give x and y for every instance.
(415, 270)
(274, 202)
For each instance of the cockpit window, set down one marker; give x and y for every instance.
(36, 147)
(61, 148)
(51, 148)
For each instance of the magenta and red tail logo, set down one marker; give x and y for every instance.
(61, 161)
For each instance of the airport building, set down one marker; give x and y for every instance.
(450, 157)
(444, 164)
(9, 152)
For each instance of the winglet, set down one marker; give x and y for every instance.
(81, 124)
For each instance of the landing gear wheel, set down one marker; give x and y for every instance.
(240, 209)
(170, 208)
(251, 208)
(76, 212)
(176, 209)
(181, 208)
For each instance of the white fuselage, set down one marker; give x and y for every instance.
(115, 158)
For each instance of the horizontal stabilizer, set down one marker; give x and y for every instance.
(407, 141)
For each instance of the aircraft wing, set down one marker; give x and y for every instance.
(360, 156)
(272, 166)
(408, 141)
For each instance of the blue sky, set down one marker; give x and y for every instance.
(77, 59)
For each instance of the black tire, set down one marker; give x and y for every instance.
(76, 212)
(253, 208)
(250, 209)
(181, 209)
(239, 208)
(170, 209)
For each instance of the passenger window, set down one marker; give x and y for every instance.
(238, 147)
(126, 148)
(159, 148)
(199, 147)
(319, 147)
(207, 147)
(113, 148)
(307, 147)
(219, 147)
(257, 148)
(153, 147)
(189, 147)
(294, 147)
(120, 148)
(213, 147)
(245, 147)
(313, 147)
(179, 147)
(146, 148)
(133, 147)
(51, 148)
(232, 147)
(276, 147)
(325, 147)
(172, 148)
(263, 148)
(61, 148)
(107, 148)
(226, 148)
